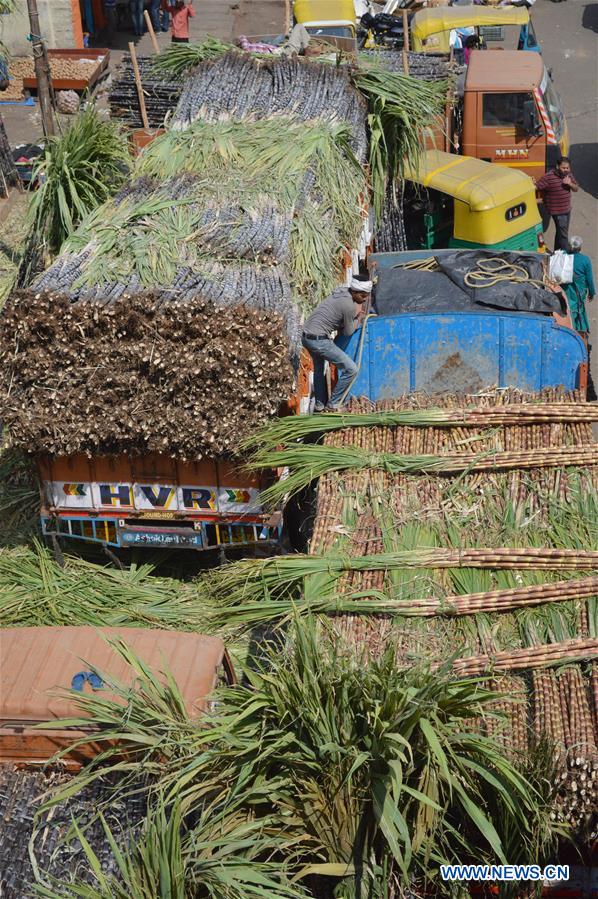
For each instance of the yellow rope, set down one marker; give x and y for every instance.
(495, 270)
(488, 273)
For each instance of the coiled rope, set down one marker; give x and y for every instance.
(495, 270)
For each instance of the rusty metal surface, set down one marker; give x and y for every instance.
(38, 665)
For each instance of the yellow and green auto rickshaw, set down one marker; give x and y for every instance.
(330, 18)
(457, 201)
(430, 29)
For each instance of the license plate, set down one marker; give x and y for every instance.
(153, 538)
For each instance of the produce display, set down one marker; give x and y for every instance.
(62, 68)
(138, 375)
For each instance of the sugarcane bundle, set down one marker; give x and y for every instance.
(510, 729)
(530, 657)
(307, 462)
(8, 171)
(137, 374)
(423, 66)
(286, 430)
(161, 91)
(577, 775)
(267, 227)
(242, 87)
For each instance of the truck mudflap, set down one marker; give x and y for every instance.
(463, 352)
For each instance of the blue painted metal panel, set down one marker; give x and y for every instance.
(463, 352)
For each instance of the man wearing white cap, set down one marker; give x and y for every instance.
(340, 313)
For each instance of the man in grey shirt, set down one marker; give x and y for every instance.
(340, 313)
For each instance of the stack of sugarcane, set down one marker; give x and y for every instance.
(272, 87)
(161, 92)
(237, 214)
(21, 795)
(565, 705)
(8, 172)
(255, 198)
(406, 553)
(424, 66)
(137, 375)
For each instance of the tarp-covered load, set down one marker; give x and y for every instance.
(467, 282)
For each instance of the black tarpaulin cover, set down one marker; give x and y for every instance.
(445, 290)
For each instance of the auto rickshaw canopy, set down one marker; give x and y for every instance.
(320, 12)
(443, 19)
(493, 203)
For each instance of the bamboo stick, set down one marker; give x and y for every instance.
(139, 86)
(152, 33)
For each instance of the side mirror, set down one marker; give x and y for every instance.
(531, 122)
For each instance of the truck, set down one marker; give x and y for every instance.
(454, 350)
(157, 502)
(506, 112)
(511, 113)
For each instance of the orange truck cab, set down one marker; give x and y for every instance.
(512, 114)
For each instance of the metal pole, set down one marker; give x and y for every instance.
(42, 70)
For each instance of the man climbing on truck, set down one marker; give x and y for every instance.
(556, 187)
(340, 313)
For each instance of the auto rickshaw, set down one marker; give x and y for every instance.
(330, 18)
(430, 28)
(457, 201)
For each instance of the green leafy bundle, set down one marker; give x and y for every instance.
(362, 773)
(78, 171)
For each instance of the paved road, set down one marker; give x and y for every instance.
(568, 33)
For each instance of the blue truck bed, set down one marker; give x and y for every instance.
(463, 352)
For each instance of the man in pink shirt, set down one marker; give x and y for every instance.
(181, 13)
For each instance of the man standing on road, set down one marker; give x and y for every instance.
(339, 312)
(555, 187)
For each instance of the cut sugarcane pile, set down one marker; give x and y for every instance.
(21, 793)
(161, 92)
(277, 209)
(425, 66)
(467, 569)
(241, 87)
(137, 375)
